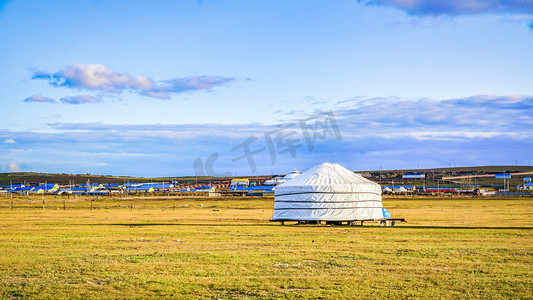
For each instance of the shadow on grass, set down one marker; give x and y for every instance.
(464, 227)
(176, 224)
(310, 226)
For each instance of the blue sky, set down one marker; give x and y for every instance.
(180, 87)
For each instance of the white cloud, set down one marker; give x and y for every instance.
(39, 98)
(392, 131)
(13, 167)
(457, 7)
(99, 77)
(477, 113)
(99, 164)
(9, 141)
(81, 99)
(96, 77)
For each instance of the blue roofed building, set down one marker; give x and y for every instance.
(112, 186)
(24, 190)
(238, 188)
(142, 188)
(412, 175)
(261, 190)
(159, 186)
(78, 190)
(46, 188)
(204, 188)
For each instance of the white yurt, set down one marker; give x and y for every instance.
(292, 175)
(328, 192)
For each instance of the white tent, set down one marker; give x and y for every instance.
(285, 178)
(292, 175)
(328, 192)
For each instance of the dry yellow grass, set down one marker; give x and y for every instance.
(227, 248)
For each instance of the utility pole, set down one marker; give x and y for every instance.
(11, 194)
(45, 188)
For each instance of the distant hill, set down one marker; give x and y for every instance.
(479, 169)
(31, 177)
(434, 176)
(384, 176)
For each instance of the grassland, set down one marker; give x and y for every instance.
(227, 248)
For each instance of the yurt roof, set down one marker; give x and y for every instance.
(328, 178)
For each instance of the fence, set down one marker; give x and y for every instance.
(43, 202)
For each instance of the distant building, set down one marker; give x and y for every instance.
(274, 180)
(261, 190)
(414, 176)
(140, 189)
(279, 179)
(502, 176)
(240, 181)
(204, 188)
(24, 190)
(238, 188)
(158, 186)
(528, 186)
(113, 188)
(45, 188)
(399, 188)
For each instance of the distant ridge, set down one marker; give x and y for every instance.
(60, 178)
